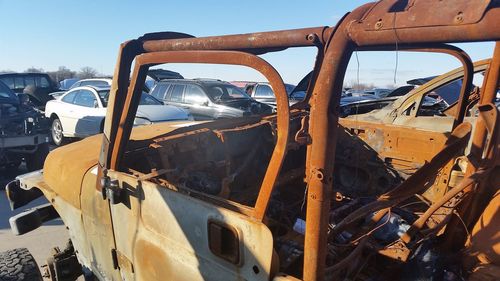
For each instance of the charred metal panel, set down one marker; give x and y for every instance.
(398, 14)
(165, 233)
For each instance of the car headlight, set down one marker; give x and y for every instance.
(139, 121)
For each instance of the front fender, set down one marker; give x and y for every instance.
(24, 189)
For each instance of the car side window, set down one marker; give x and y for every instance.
(160, 91)
(29, 81)
(264, 91)
(194, 95)
(42, 82)
(69, 98)
(85, 98)
(18, 83)
(176, 92)
(9, 81)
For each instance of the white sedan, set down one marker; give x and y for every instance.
(80, 112)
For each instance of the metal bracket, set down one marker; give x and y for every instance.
(110, 189)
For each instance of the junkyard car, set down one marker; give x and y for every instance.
(80, 112)
(258, 198)
(36, 85)
(23, 132)
(96, 82)
(208, 99)
(263, 92)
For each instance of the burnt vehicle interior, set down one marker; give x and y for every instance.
(388, 209)
(225, 163)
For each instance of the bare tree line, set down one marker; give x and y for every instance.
(65, 73)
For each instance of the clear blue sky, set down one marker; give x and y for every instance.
(48, 34)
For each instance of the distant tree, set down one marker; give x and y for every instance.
(6, 71)
(87, 72)
(62, 73)
(34, 69)
(353, 84)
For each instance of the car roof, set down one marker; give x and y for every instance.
(96, 79)
(23, 74)
(96, 88)
(199, 81)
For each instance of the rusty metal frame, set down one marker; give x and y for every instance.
(323, 119)
(451, 50)
(144, 61)
(351, 33)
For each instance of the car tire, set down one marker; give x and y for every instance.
(18, 265)
(56, 132)
(35, 160)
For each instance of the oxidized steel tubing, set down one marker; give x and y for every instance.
(323, 125)
(272, 39)
(128, 51)
(488, 94)
(458, 53)
(217, 57)
(485, 30)
(119, 87)
(419, 223)
(415, 183)
(469, 206)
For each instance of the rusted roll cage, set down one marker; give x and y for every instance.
(364, 28)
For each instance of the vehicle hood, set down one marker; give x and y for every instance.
(240, 106)
(157, 113)
(63, 174)
(352, 99)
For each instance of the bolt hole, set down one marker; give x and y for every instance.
(256, 269)
(319, 176)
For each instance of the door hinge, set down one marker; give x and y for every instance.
(110, 189)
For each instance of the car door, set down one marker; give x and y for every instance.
(264, 93)
(198, 103)
(64, 110)
(88, 113)
(162, 234)
(175, 95)
(160, 91)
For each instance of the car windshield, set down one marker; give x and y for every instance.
(220, 92)
(7, 94)
(146, 99)
(289, 88)
(104, 95)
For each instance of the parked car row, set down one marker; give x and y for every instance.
(80, 112)
(208, 99)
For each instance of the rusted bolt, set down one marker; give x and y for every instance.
(318, 174)
(378, 24)
(311, 37)
(459, 17)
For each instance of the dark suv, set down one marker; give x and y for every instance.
(209, 99)
(36, 85)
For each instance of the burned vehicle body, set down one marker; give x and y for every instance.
(199, 203)
(403, 110)
(23, 133)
